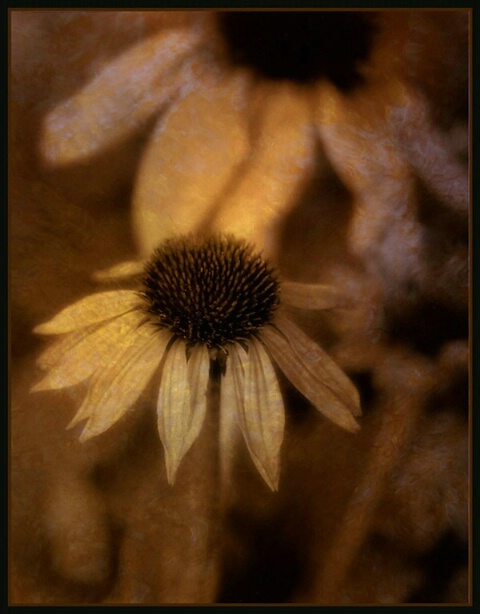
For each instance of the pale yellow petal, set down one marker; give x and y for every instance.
(86, 351)
(89, 310)
(118, 386)
(82, 414)
(313, 373)
(57, 349)
(181, 402)
(120, 98)
(312, 296)
(198, 374)
(279, 164)
(231, 400)
(262, 413)
(190, 159)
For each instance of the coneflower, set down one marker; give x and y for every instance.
(200, 300)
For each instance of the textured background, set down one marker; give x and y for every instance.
(379, 517)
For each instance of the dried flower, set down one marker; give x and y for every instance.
(201, 300)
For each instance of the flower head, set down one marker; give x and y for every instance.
(200, 300)
(212, 292)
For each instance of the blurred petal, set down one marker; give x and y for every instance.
(312, 296)
(89, 310)
(359, 143)
(122, 97)
(432, 153)
(262, 414)
(313, 373)
(189, 160)
(182, 402)
(121, 271)
(278, 166)
(78, 356)
(117, 386)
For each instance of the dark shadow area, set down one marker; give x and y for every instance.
(442, 562)
(301, 46)
(451, 395)
(427, 326)
(364, 384)
(446, 226)
(271, 566)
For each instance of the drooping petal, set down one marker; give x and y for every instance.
(121, 271)
(313, 373)
(262, 413)
(198, 373)
(182, 402)
(62, 345)
(190, 159)
(231, 400)
(312, 296)
(120, 98)
(85, 352)
(89, 310)
(84, 412)
(117, 386)
(279, 164)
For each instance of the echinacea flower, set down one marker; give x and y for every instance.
(234, 96)
(200, 300)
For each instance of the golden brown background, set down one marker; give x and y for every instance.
(380, 517)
